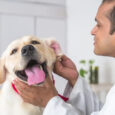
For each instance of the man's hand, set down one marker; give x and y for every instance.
(67, 69)
(36, 95)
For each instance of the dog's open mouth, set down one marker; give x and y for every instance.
(34, 73)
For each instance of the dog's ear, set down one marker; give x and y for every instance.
(2, 70)
(52, 43)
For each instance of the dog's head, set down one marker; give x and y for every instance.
(28, 57)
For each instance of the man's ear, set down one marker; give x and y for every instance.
(2, 70)
(52, 43)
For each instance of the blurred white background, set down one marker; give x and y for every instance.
(70, 21)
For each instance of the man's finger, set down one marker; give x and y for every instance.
(58, 65)
(21, 86)
(48, 82)
(17, 81)
(64, 58)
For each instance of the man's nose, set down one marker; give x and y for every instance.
(93, 31)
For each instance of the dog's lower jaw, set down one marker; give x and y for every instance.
(12, 104)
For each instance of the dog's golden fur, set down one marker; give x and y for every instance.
(11, 61)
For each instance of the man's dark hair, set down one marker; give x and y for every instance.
(111, 15)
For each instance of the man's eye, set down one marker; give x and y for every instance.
(35, 42)
(13, 51)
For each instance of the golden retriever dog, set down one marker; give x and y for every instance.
(31, 60)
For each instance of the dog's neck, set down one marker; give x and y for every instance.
(8, 92)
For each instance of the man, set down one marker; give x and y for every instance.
(81, 99)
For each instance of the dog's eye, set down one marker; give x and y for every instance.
(13, 51)
(35, 42)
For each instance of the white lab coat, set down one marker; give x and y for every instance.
(82, 101)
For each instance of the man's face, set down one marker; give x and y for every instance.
(104, 42)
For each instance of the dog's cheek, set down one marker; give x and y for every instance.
(41, 53)
(50, 57)
(9, 64)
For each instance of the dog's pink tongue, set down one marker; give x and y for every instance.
(35, 75)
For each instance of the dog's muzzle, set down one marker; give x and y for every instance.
(34, 69)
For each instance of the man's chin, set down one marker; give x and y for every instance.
(100, 53)
(97, 52)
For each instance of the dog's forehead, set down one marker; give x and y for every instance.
(29, 38)
(24, 40)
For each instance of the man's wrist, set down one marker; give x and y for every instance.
(73, 81)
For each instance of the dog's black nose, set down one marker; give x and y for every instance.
(27, 50)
